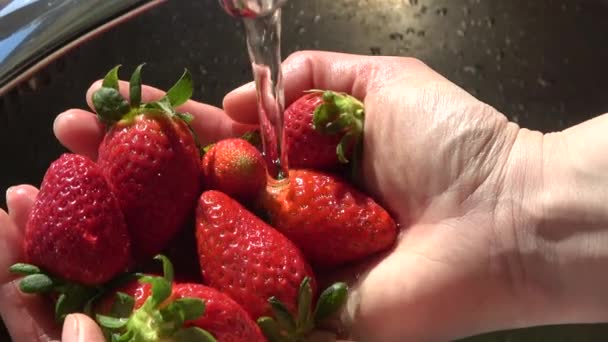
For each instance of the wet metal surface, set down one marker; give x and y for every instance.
(542, 63)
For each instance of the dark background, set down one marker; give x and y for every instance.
(541, 62)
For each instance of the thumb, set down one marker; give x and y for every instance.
(305, 70)
(81, 328)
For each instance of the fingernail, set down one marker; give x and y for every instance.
(10, 191)
(71, 329)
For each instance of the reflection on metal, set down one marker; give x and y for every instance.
(35, 32)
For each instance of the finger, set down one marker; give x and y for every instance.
(27, 317)
(210, 123)
(79, 131)
(81, 328)
(306, 70)
(10, 246)
(20, 201)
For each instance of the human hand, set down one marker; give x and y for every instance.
(28, 317)
(467, 187)
(442, 163)
(440, 184)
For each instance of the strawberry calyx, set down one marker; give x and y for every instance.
(284, 327)
(111, 107)
(70, 297)
(341, 113)
(160, 318)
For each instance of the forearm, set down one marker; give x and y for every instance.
(561, 225)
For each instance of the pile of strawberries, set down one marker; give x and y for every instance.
(97, 225)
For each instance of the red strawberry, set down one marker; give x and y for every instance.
(323, 130)
(235, 167)
(244, 257)
(156, 301)
(151, 159)
(332, 222)
(260, 269)
(76, 230)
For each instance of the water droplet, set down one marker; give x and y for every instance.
(411, 2)
(460, 32)
(301, 30)
(500, 55)
(472, 69)
(466, 11)
(515, 118)
(316, 19)
(543, 82)
(403, 50)
(410, 30)
(396, 36)
(375, 50)
(441, 11)
(490, 22)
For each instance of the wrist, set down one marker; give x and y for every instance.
(560, 231)
(573, 227)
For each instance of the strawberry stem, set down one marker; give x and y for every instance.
(341, 113)
(159, 318)
(71, 297)
(283, 327)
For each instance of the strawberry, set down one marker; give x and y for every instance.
(151, 159)
(331, 222)
(323, 130)
(235, 167)
(75, 235)
(76, 229)
(260, 269)
(156, 308)
(246, 258)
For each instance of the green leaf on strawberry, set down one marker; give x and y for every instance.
(135, 87)
(283, 327)
(111, 107)
(181, 91)
(71, 297)
(159, 318)
(340, 113)
(111, 79)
